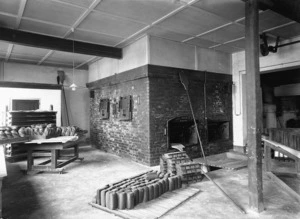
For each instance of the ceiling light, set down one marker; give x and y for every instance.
(73, 86)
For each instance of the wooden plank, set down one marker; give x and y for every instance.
(284, 186)
(224, 162)
(294, 154)
(59, 44)
(14, 140)
(45, 162)
(67, 162)
(254, 111)
(116, 213)
(41, 154)
(237, 165)
(236, 156)
(30, 85)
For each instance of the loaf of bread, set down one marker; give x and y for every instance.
(22, 131)
(8, 134)
(15, 134)
(2, 135)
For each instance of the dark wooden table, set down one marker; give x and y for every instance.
(55, 146)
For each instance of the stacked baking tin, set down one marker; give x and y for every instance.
(128, 193)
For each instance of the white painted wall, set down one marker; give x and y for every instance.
(172, 54)
(158, 51)
(77, 101)
(134, 55)
(286, 57)
(213, 61)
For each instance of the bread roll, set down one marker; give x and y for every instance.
(15, 134)
(2, 135)
(68, 131)
(63, 131)
(73, 130)
(22, 132)
(8, 134)
(58, 131)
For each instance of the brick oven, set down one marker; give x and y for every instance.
(160, 113)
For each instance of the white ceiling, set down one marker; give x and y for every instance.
(213, 24)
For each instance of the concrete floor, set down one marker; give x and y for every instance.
(67, 195)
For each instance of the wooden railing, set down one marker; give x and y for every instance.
(270, 145)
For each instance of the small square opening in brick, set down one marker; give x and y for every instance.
(217, 130)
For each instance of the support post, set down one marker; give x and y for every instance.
(254, 110)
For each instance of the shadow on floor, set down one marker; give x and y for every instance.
(17, 191)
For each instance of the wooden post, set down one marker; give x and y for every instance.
(30, 161)
(54, 157)
(254, 109)
(268, 158)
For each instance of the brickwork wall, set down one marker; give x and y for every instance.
(124, 138)
(168, 99)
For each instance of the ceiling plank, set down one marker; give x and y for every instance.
(72, 28)
(82, 17)
(45, 57)
(264, 31)
(20, 12)
(144, 30)
(54, 43)
(8, 52)
(93, 59)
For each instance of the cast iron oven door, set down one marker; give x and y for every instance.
(181, 130)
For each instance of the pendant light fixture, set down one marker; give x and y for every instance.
(73, 86)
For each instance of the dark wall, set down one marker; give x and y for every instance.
(210, 95)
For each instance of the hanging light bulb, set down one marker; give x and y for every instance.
(73, 86)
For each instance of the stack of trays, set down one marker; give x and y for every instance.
(190, 172)
(169, 161)
(128, 193)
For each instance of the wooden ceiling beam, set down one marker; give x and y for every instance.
(287, 8)
(73, 27)
(55, 43)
